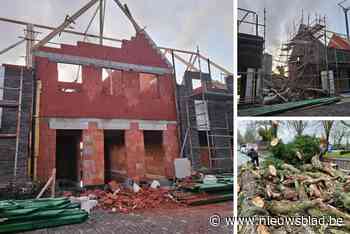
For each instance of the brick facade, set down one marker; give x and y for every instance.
(135, 152)
(123, 95)
(93, 155)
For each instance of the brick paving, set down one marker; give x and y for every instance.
(177, 221)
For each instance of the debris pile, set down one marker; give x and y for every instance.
(314, 190)
(130, 197)
(287, 94)
(119, 198)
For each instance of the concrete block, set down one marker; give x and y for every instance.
(182, 168)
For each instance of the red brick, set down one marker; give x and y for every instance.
(171, 149)
(93, 155)
(93, 99)
(47, 152)
(135, 152)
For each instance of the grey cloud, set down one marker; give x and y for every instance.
(180, 24)
(282, 13)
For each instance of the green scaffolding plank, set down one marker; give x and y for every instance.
(211, 200)
(215, 187)
(44, 223)
(278, 108)
(30, 204)
(23, 215)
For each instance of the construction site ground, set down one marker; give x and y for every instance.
(181, 220)
(341, 108)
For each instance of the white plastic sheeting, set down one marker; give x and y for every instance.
(202, 116)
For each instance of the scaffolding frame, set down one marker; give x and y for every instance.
(206, 127)
(318, 34)
(14, 104)
(259, 25)
(303, 39)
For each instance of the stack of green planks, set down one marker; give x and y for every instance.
(25, 215)
(278, 108)
(220, 191)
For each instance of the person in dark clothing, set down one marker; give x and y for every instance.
(323, 148)
(254, 156)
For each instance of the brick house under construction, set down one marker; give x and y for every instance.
(125, 122)
(313, 51)
(94, 113)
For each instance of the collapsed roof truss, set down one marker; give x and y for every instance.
(177, 54)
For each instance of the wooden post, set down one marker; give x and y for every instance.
(101, 21)
(52, 178)
(30, 37)
(37, 129)
(53, 185)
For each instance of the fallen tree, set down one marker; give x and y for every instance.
(282, 190)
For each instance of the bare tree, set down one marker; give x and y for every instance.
(327, 127)
(298, 126)
(265, 124)
(240, 138)
(250, 135)
(340, 131)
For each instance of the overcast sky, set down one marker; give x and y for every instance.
(183, 24)
(284, 132)
(281, 14)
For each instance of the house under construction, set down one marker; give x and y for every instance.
(206, 114)
(318, 58)
(313, 65)
(121, 116)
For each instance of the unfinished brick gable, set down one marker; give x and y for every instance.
(103, 101)
(138, 50)
(123, 92)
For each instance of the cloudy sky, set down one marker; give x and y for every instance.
(183, 24)
(284, 133)
(282, 13)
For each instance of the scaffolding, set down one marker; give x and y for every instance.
(304, 55)
(198, 115)
(13, 104)
(251, 48)
(308, 53)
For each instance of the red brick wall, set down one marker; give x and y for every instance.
(94, 98)
(93, 156)
(171, 149)
(118, 158)
(46, 160)
(204, 155)
(135, 152)
(154, 160)
(134, 51)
